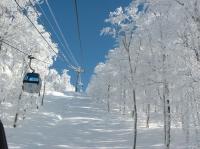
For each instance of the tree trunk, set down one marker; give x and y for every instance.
(43, 94)
(164, 116)
(168, 129)
(18, 108)
(167, 116)
(124, 98)
(148, 116)
(108, 98)
(132, 73)
(135, 120)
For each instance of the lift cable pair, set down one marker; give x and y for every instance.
(62, 36)
(52, 28)
(17, 49)
(49, 45)
(65, 45)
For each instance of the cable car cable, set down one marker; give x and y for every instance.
(51, 26)
(36, 28)
(40, 33)
(23, 52)
(72, 67)
(64, 39)
(78, 30)
(14, 47)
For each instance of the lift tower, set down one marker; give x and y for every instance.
(79, 84)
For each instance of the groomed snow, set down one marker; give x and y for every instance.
(77, 122)
(70, 122)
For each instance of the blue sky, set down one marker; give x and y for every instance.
(92, 14)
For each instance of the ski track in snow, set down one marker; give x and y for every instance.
(67, 122)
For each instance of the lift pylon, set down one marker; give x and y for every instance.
(79, 84)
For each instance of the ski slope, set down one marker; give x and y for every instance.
(79, 122)
(70, 122)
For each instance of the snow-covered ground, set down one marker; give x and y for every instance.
(70, 122)
(77, 122)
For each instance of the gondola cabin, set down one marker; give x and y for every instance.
(32, 83)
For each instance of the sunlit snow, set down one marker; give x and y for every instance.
(79, 122)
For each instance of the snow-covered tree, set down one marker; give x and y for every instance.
(57, 82)
(155, 65)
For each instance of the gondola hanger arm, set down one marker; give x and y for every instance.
(30, 60)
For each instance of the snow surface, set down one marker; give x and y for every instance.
(78, 122)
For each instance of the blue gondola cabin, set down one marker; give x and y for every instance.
(32, 83)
